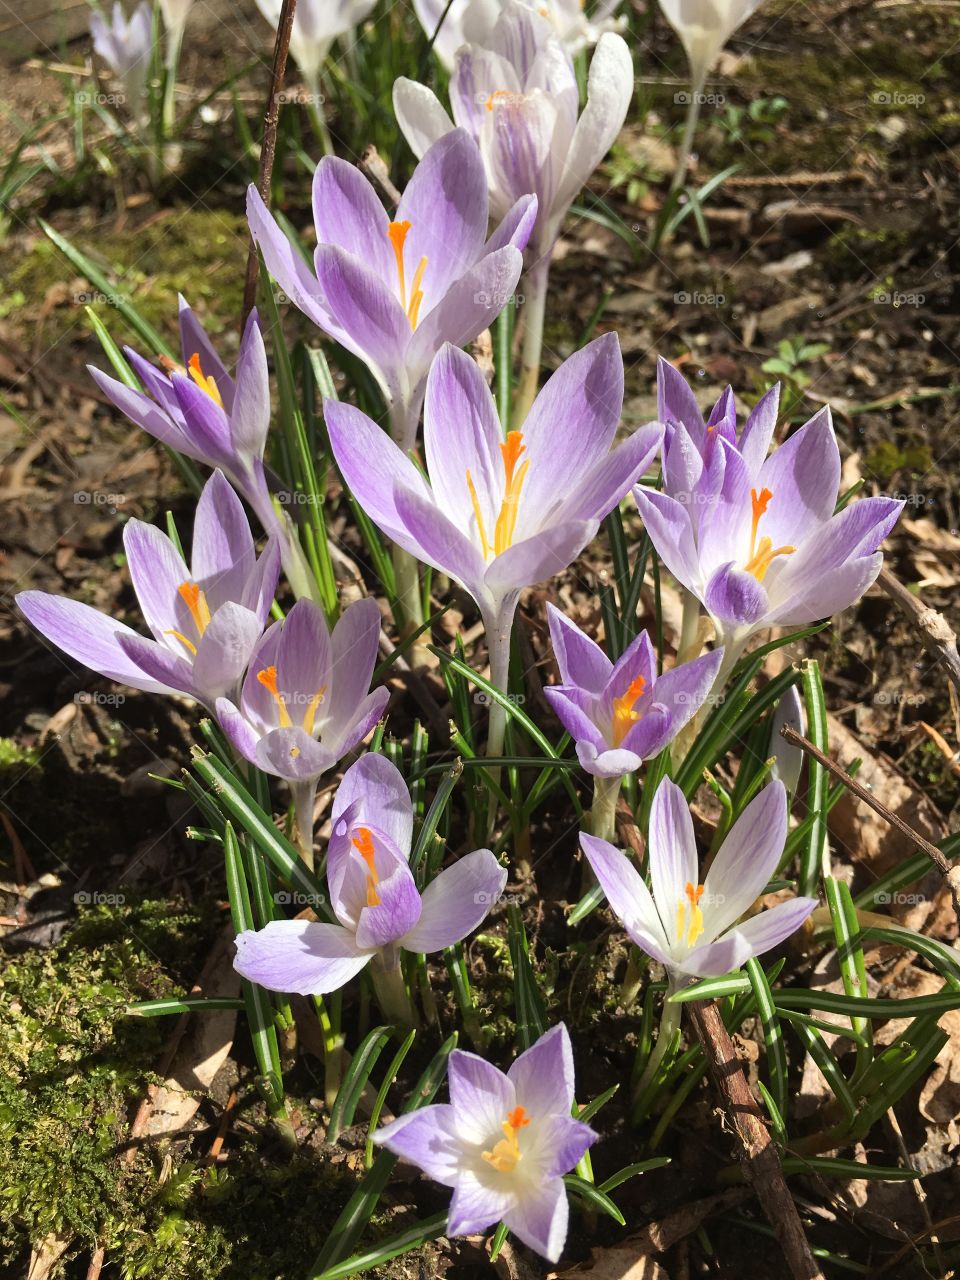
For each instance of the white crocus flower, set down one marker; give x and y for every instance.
(471, 22)
(316, 24)
(704, 27)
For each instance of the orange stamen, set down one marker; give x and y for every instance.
(397, 233)
(196, 602)
(497, 93)
(762, 556)
(506, 1153)
(206, 384)
(268, 678)
(513, 483)
(693, 932)
(624, 716)
(363, 843)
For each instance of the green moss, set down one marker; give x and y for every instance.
(885, 459)
(13, 755)
(75, 1065)
(853, 250)
(197, 252)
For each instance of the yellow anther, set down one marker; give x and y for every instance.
(363, 843)
(310, 714)
(268, 678)
(188, 644)
(624, 716)
(207, 384)
(695, 927)
(762, 556)
(478, 514)
(506, 1153)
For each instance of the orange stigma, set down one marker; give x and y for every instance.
(506, 1153)
(763, 554)
(397, 235)
(268, 678)
(498, 93)
(624, 716)
(695, 927)
(514, 477)
(204, 383)
(363, 843)
(196, 602)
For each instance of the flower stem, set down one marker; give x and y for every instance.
(315, 105)
(390, 988)
(303, 794)
(603, 814)
(406, 568)
(498, 631)
(171, 65)
(670, 1016)
(689, 628)
(689, 132)
(535, 286)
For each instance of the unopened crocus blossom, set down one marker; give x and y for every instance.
(379, 909)
(205, 413)
(125, 47)
(696, 929)
(503, 1143)
(392, 291)
(175, 13)
(306, 699)
(755, 538)
(788, 757)
(704, 27)
(206, 619)
(517, 95)
(316, 24)
(472, 21)
(496, 514)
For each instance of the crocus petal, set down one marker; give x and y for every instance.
(396, 913)
(261, 586)
(568, 706)
(427, 1138)
(142, 410)
(250, 412)
(224, 650)
(516, 226)
(481, 1096)
(456, 902)
(305, 661)
(803, 475)
(353, 649)
(672, 852)
(609, 91)
(445, 203)
(767, 929)
(467, 454)
(684, 689)
(476, 1205)
(652, 731)
(205, 422)
(758, 430)
(376, 786)
(564, 1141)
(420, 117)
(572, 422)
(293, 754)
(194, 342)
(433, 537)
(89, 637)
(157, 571)
(668, 523)
(171, 669)
(746, 860)
(735, 597)
(243, 737)
(603, 487)
(347, 213)
(538, 557)
(373, 324)
(543, 1075)
(612, 763)
(368, 715)
(628, 896)
(222, 556)
(676, 403)
(284, 261)
(842, 587)
(581, 660)
(371, 464)
(299, 956)
(541, 1218)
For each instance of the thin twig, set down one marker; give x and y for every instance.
(268, 148)
(935, 632)
(758, 1153)
(951, 874)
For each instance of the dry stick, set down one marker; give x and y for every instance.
(268, 148)
(759, 1154)
(951, 875)
(935, 632)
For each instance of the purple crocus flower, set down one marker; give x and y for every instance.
(620, 714)
(205, 619)
(499, 515)
(696, 929)
(755, 539)
(205, 413)
(306, 699)
(126, 47)
(503, 1143)
(392, 291)
(373, 895)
